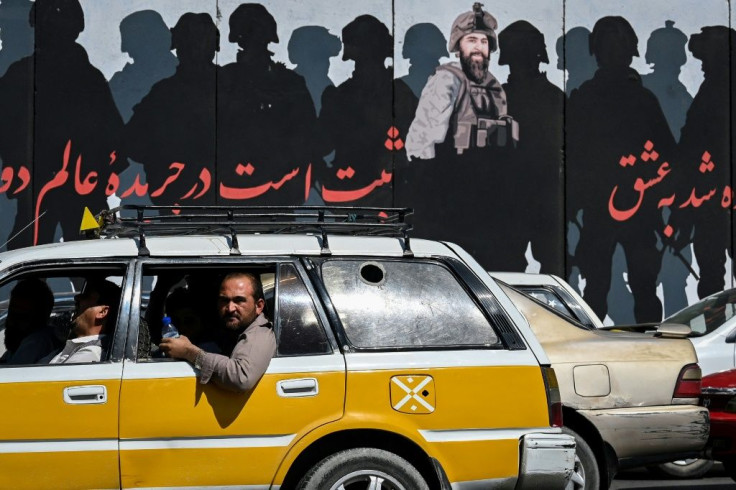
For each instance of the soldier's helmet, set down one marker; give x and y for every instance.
(424, 40)
(252, 22)
(477, 20)
(613, 34)
(309, 43)
(713, 43)
(57, 20)
(14, 10)
(195, 30)
(366, 35)
(157, 35)
(666, 44)
(521, 40)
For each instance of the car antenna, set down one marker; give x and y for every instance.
(22, 229)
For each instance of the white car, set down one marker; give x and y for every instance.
(713, 324)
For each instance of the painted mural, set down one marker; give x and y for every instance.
(592, 140)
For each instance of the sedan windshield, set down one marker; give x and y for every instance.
(708, 314)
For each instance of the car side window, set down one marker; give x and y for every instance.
(52, 316)
(188, 296)
(299, 329)
(404, 304)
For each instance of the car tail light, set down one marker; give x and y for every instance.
(688, 384)
(554, 401)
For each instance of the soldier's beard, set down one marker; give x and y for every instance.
(474, 68)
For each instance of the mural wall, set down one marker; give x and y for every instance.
(587, 139)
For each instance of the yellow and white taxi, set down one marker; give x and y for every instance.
(401, 365)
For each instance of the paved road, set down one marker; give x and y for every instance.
(715, 479)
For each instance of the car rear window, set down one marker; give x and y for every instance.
(404, 304)
(707, 315)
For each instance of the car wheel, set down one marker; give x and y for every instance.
(683, 468)
(586, 475)
(363, 468)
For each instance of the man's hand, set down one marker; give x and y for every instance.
(179, 348)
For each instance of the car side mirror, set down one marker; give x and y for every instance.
(731, 337)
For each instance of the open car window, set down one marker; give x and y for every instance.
(40, 310)
(188, 296)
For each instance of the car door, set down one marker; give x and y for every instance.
(425, 358)
(177, 432)
(59, 423)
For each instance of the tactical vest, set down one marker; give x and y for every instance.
(479, 117)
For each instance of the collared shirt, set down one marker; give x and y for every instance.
(249, 360)
(81, 349)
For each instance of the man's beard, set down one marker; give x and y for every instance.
(474, 69)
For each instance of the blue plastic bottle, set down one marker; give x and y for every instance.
(168, 330)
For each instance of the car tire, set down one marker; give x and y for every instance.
(586, 474)
(381, 468)
(683, 469)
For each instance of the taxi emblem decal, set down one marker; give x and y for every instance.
(413, 394)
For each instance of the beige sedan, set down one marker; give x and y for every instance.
(628, 398)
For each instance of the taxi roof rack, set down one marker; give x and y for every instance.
(191, 220)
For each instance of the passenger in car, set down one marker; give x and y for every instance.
(28, 336)
(96, 311)
(240, 307)
(181, 306)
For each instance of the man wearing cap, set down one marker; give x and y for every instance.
(463, 106)
(95, 314)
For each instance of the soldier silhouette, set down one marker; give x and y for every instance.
(266, 119)
(705, 156)
(612, 121)
(666, 54)
(574, 56)
(175, 122)
(15, 32)
(147, 40)
(17, 42)
(424, 45)
(364, 120)
(310, 49)
(538, 106)
(74, 110)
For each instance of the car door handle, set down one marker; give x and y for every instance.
(297, 387)
(85, 395)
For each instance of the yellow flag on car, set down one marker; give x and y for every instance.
(88, 221)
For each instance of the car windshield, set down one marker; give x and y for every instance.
(708, 314)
